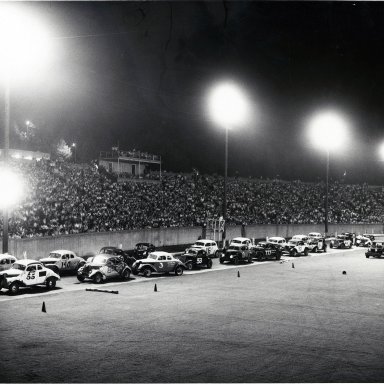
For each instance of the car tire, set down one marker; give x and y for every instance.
(217, 253)
(221, 261)
(126, 274)
(14, 288)
(209, 264)
(331, 245)
(367, 256)
(50, 283)
(294, 253)
(250, 259)
(278, 255)
(178, 270)
(306, 252)
(147, 272)
(189, 266)
(81, 278)
(236, 261)
(98, 278)
(314, 249)
(259, 256)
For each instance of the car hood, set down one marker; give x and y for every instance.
(11, 272)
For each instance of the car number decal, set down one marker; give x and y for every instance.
(160, 265)
(31, 275)
(268, 252)
(199, 260)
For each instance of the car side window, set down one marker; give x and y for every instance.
(39, 267)
(169, 257)
(31, 268)
(72, 257)
(162, 258)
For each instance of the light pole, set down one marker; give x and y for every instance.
(74, 150)
(21, 36)
(229, 108)
(328, 131)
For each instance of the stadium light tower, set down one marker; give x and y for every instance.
(328, 131)
(24, 48)
(229, 108)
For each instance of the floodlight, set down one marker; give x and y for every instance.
(11, 188)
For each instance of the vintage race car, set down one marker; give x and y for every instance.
(103, 267)
(282, 243)
(304, 238)
(158, 262)
(142, 250)
(316, 244)
(208, 246)
(296, 247)
(236, 254)
(62, 261)
(340, 241)
(264, 251)
(6, 261)
(375, 250)
(195, 257)
(363, 240)
(128, 258)
(27, 273)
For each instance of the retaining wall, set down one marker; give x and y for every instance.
(90, 243)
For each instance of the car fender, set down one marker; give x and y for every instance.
(145, 265)
(182, 265)
(94, 271)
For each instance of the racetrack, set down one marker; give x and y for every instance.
(274, 323)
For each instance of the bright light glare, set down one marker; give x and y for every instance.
(228, 105)
(24, 43)
(381, 151)
(328, 130)
(11, 188)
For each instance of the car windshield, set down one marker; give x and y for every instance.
(55, 255)
(200, 244)
(152, 256)
(294, 241)
(236, 241)
(100, 259)
(18, 266)
(236, 248)
(192, 251)
(262, 245)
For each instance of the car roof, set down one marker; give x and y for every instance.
(161, 253)
(241, 238)
(4, 255)
(205, 241)
(62, 251)
(276, 238)
(300, 236)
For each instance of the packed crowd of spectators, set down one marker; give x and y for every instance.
(64, 198)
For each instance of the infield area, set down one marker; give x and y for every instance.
(274, 323)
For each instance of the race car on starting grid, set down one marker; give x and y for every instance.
(195, 258)
(236, 254)
(296, 247)
(363, 241)
(207, 245)
(158, 262)
(27, 273)
(103, 267)
(340, 241)
(264, 251)
(316, 244)
(376, 249)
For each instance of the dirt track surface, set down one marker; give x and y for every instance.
(274, 323)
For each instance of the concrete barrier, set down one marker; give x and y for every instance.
(90, 243)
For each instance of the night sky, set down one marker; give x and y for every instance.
(136, 74)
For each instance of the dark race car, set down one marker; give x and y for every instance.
(142, 250)
(264, 251)
(236, 254)
(195, 258)
(375, 250)
(128, 259)
(340, 241)
(317, 244)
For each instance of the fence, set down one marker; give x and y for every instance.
(90, 243)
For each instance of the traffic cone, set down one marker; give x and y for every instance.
(155, 290)
(43, 308)
(238, 274)
(293, 265)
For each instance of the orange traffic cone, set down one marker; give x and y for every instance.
(293, 265)
(155, 290)
(238, 274)
(43, 308)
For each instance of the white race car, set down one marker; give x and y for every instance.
(63, 260)
(27, 273)
(208, 246)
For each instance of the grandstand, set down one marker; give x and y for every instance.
(64, 198)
